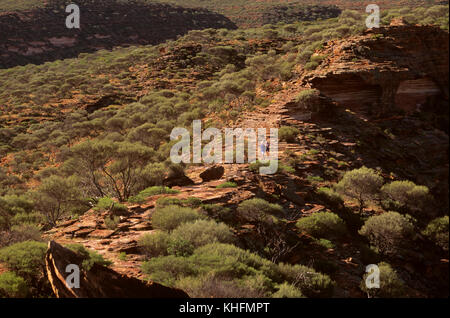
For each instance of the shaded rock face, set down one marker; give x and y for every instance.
(99, 281)
(401, 67)
(178, 181)
(41, 35)
(212, 173)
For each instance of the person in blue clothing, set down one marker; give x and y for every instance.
(263, 148)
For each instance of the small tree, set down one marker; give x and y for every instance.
(388, 231)
(361, 184)
(115, 167)
(391, 286)
(56, 197)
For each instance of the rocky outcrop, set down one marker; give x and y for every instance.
(99, 281)
(212, 173)
(177, 181)
(400, 67)
(41, 35)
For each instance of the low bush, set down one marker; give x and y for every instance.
(288, 133)
(111, 222)
(26, 259)
(310, 282)
(12, 286)
(391, 286)
(202, 232)
(406, 194)
(154, 244)
(438, 232)
(170, 217)
(322, 224)
(227, 184)
(144, 194)
(330, 195)
(90, 257)
(287, 290)
(108, 204)
(258, 210)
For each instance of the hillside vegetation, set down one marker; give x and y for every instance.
(90, 135)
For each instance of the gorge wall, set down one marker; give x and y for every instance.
(400, 67)
(41, 35)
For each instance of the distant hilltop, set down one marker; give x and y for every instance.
(40, 34)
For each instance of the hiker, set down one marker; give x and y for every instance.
(267, 147)
(263, 148)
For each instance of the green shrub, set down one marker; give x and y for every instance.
(90, 257)
(27, 218)
(288, 133)
(144, 194)
(258, 210)
(12, 286)
(111, 222)
(172, 216)
(219, 212)
(388, 231)
(179, 246)
(167, 269)
(108, 204)
(362, 184)
(225, 260)
(310, 282)
(322, 224)
(123, 256)
(438, 232)
(189, 202)
(202, 232)
(391, 286)
(23, 232)
(325, 243)
(154, 244)
(166, 201)
(313, 179)
(211, 285)
(26, 259)
(227, 184)
(287, 290)
(330, 195)
(406, 193)
(311, 66)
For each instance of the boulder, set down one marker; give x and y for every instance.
(212, 173)
(177, 180)
(99, 281)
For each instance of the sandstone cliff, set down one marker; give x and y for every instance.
(401, 67)
(99, 281)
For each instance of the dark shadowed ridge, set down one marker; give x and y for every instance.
(40, 35)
